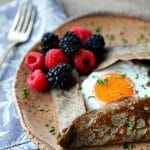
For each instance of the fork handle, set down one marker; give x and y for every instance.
(4, 53)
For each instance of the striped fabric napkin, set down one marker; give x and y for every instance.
(49, 16)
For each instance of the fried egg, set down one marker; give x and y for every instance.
(122, 79)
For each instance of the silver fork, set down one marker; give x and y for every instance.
(20, 29)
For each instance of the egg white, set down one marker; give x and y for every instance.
(138, 73)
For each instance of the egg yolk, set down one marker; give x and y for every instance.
(113, 86)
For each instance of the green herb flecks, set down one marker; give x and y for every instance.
(130, 125)
(80, 87)
(137, 76)
(47, 125)
(145, 95)
(93, 76)
(102, 81)
(25, 92)
(126, 146)
(110, 37)
(143, 86)
(98, 29)
(142, 39)
(136, 91)
(124, 40)
(124, 75)
(41, 109)
(121, 33)
(52, 130)
(89, 97)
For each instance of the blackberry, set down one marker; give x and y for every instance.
(95, 43)
(49, 41)
(70, 43)
(60, 76)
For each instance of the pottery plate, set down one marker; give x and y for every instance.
(37, 111)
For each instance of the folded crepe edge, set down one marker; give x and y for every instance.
(125, 52)
(68, 135)
(69, 105)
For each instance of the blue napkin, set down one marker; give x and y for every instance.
(49, 16)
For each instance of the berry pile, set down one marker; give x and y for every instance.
(49, 41)
(52, 67)
(70, 43)
(60, 76)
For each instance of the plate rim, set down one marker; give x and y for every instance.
(38, 142)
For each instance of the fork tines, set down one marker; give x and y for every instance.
(24, 19)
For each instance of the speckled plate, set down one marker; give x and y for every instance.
(37, 111)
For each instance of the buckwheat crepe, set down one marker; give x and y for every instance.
(127, 120)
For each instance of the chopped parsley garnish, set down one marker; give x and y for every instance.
(130, 125)
(102, 81)
(124, 41)
(124, 75)
(146, 95)
(80, 88)
(46, 125)
(142, 38)
(97, 30)
(40, 109)
(136, 91)
(25, 92)
(94, 76)
(52, 130)
(110, 37)
(126, 145)
(137, 76)
(121, 33)
(143, 86)
(91, 97)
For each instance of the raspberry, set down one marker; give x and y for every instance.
(60, 76)
(81, 32)
(49, 41)
(54, 57)
(34, 60)
(70, 43)
(37, 80)
(84, 61)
